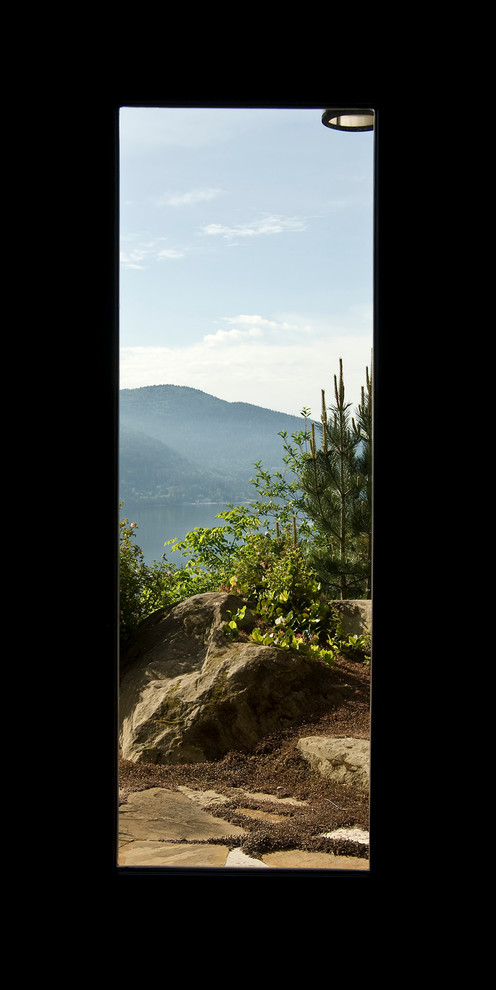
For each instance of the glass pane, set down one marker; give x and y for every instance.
(246, 306)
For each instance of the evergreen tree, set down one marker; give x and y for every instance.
(329, 491)
(331, 483)
(362, 518)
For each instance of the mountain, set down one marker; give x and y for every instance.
(149, 468)
(183, 444)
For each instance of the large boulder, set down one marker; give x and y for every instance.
(189, 694)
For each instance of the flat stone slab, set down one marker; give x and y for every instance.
(206, 799)
(261, 796)
(150, 853)
(190, 855)
(301, 860)
(158, 813)
(164, 828)
(210, 799)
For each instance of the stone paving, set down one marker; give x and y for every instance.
(164, 828)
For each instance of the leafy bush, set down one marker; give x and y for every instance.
(211, 554)
(356, 648)
(271, 573)
(142, 588)
(274, 577)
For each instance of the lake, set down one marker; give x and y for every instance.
(161, 522)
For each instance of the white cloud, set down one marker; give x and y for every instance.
(231, 336)
(188, 198)
(131, 260)
(170, 253)
(145, 252)
(246, 366)
(259, 321)
(263, 226)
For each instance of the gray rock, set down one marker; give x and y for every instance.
(341, 759)
(189, 694)
(355, 616)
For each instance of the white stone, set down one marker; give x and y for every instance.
(355, 834)
(238, 858)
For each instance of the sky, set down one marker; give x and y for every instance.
(246, 254)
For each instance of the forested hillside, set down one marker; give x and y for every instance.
(150, 469)
(179, 443)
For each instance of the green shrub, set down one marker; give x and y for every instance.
(274, 577)
(142, 588)
(271, 573)
(356, 648)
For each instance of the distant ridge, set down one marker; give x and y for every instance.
(182, 394)
(180, 443)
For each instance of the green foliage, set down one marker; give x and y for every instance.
(329, 491)
(210, 552)
(231, 628)
(275, 579)
(335, 492)
(304, 542)
(356, 647)
(142, 588)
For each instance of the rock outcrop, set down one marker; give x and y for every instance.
(188, 694)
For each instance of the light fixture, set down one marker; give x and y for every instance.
(348, 119)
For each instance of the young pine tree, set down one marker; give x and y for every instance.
(334, 483)
(362, 516)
